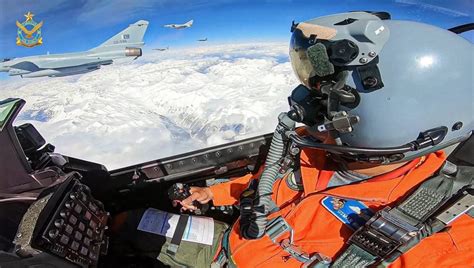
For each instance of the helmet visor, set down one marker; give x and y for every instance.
(308, 54)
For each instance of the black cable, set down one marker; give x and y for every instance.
(352, 150)
(462, 28)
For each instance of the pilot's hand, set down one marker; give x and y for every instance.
(201, 194)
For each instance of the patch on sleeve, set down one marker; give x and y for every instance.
(352, 213)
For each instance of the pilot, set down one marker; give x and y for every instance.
(365, 180)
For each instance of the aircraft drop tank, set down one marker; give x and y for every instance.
(48, 72)
(61, 72)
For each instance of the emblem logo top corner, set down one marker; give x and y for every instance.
(29, 32)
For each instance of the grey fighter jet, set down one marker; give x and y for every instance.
(127, 43)
(202, 40)
(180, 26)
(161, 49)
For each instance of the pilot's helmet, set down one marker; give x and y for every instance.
(378, 83)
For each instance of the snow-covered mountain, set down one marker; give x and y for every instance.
(162, 104)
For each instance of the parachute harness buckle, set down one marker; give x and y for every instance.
(277, 227)
(384, 233)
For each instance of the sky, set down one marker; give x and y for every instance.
(82, 24)
(195, 95)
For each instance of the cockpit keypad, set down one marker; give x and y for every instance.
(75, 231)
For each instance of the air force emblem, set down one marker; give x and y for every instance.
(29, 32)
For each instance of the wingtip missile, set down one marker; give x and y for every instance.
(141, 23)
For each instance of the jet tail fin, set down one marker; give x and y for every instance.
(189, 23)
(132, 36)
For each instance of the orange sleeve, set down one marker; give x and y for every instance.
(228, 193)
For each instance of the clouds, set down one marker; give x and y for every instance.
(437, 8)
(106, 13)
(10, 11)
(112, 12)
(162, 104)
(101, 13)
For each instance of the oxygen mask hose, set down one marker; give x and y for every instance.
(253, 225)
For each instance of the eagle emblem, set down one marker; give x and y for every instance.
(29, 32)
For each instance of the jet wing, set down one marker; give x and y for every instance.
(25, 66)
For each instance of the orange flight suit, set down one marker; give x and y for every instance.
(317, 230)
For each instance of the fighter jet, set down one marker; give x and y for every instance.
(180, 26)
(202, 40)
(127, 43)
(161, 49)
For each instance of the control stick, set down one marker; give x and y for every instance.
(180, 191)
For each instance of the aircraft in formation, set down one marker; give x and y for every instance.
(180, 26)
(127, 43)
(161, 49)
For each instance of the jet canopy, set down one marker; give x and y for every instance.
(7, 110)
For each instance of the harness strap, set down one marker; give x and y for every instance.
(393, 231)
(277, 227)
(354, 256)
(178, 234)
(223, 258)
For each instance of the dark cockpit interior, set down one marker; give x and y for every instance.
(57, 210)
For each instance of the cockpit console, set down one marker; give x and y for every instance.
(65, 221)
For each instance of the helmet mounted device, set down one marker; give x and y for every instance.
(323, 62)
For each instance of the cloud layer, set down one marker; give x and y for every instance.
(162, 104)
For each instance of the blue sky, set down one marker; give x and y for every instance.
(82, 24)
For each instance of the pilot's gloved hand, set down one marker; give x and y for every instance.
(201, 194)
